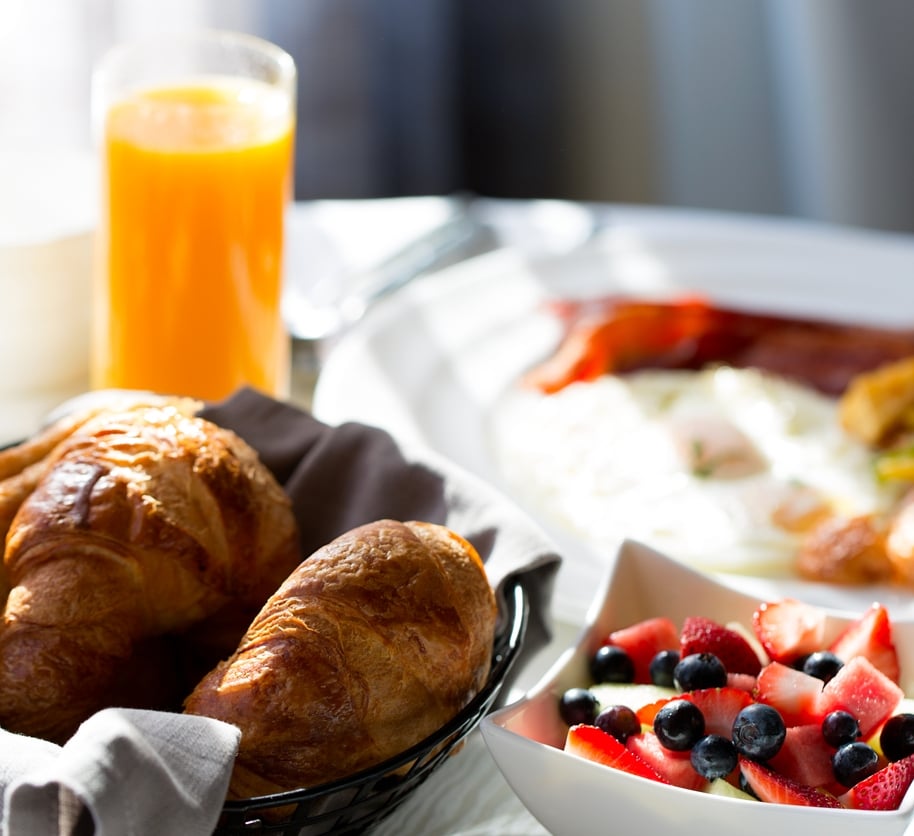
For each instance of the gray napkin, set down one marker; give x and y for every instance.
(132, 773)
(125, 772)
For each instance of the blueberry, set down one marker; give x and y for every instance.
(578, 705)
(679, 725)
(662, 666)
(619, 721)
(840, 727)
(853, 762)
(797, 664)
(714, 757)
(822, 664)
(759, 731)
(699, 670)
(612, 664)
(897, 737)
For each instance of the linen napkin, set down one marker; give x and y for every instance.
(132, 773)
(124, 772)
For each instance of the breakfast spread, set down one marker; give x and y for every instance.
(153, 561)
(755, 444)
(773, 711)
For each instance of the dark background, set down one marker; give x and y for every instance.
(802, 108)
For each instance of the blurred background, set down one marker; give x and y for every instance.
(790, 107)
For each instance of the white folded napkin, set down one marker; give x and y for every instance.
(125, 772)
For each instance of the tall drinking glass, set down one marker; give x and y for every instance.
(196, 138)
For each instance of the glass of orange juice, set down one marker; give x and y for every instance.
(196, 139)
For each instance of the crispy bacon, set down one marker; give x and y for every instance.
(619, 335)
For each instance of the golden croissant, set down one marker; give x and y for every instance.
(372, 643)
(133, 536)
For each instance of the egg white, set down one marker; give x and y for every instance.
(601, 460)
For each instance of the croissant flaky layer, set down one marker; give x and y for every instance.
(371, 644)
(140, 543)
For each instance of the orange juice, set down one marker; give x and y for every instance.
(197, 180)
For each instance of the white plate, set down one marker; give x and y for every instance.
(574, 797)
(430, 362)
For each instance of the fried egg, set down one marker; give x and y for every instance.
(717, 468)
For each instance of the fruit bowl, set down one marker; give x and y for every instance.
(570, 795)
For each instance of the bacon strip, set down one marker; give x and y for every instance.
(617, 335)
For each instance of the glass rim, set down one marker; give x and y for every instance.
(275, 54)
(115, 63)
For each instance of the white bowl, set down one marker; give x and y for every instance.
(570, 795)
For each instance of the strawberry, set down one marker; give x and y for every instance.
(870, 636)
(769, 786)
(704, 635)
(594, 744)
(675, 767)
(719, 707)
(864, 691)
(642, 641)
(789, 629)
(793, 693)
(884, 790)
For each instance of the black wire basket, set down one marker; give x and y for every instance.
(359, 802)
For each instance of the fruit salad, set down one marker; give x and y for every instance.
(767, 711)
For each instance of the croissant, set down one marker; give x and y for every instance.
(138, 526)
(371, 644)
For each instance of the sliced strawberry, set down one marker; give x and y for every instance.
(864, 691)
(719, 707)
(793, 693)
(884, 790)
(789, 629)
(805, 757)
(769, 786)
(594, 744)
(675, 767)
(870, 636)
(642, 641)
(704, 635)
